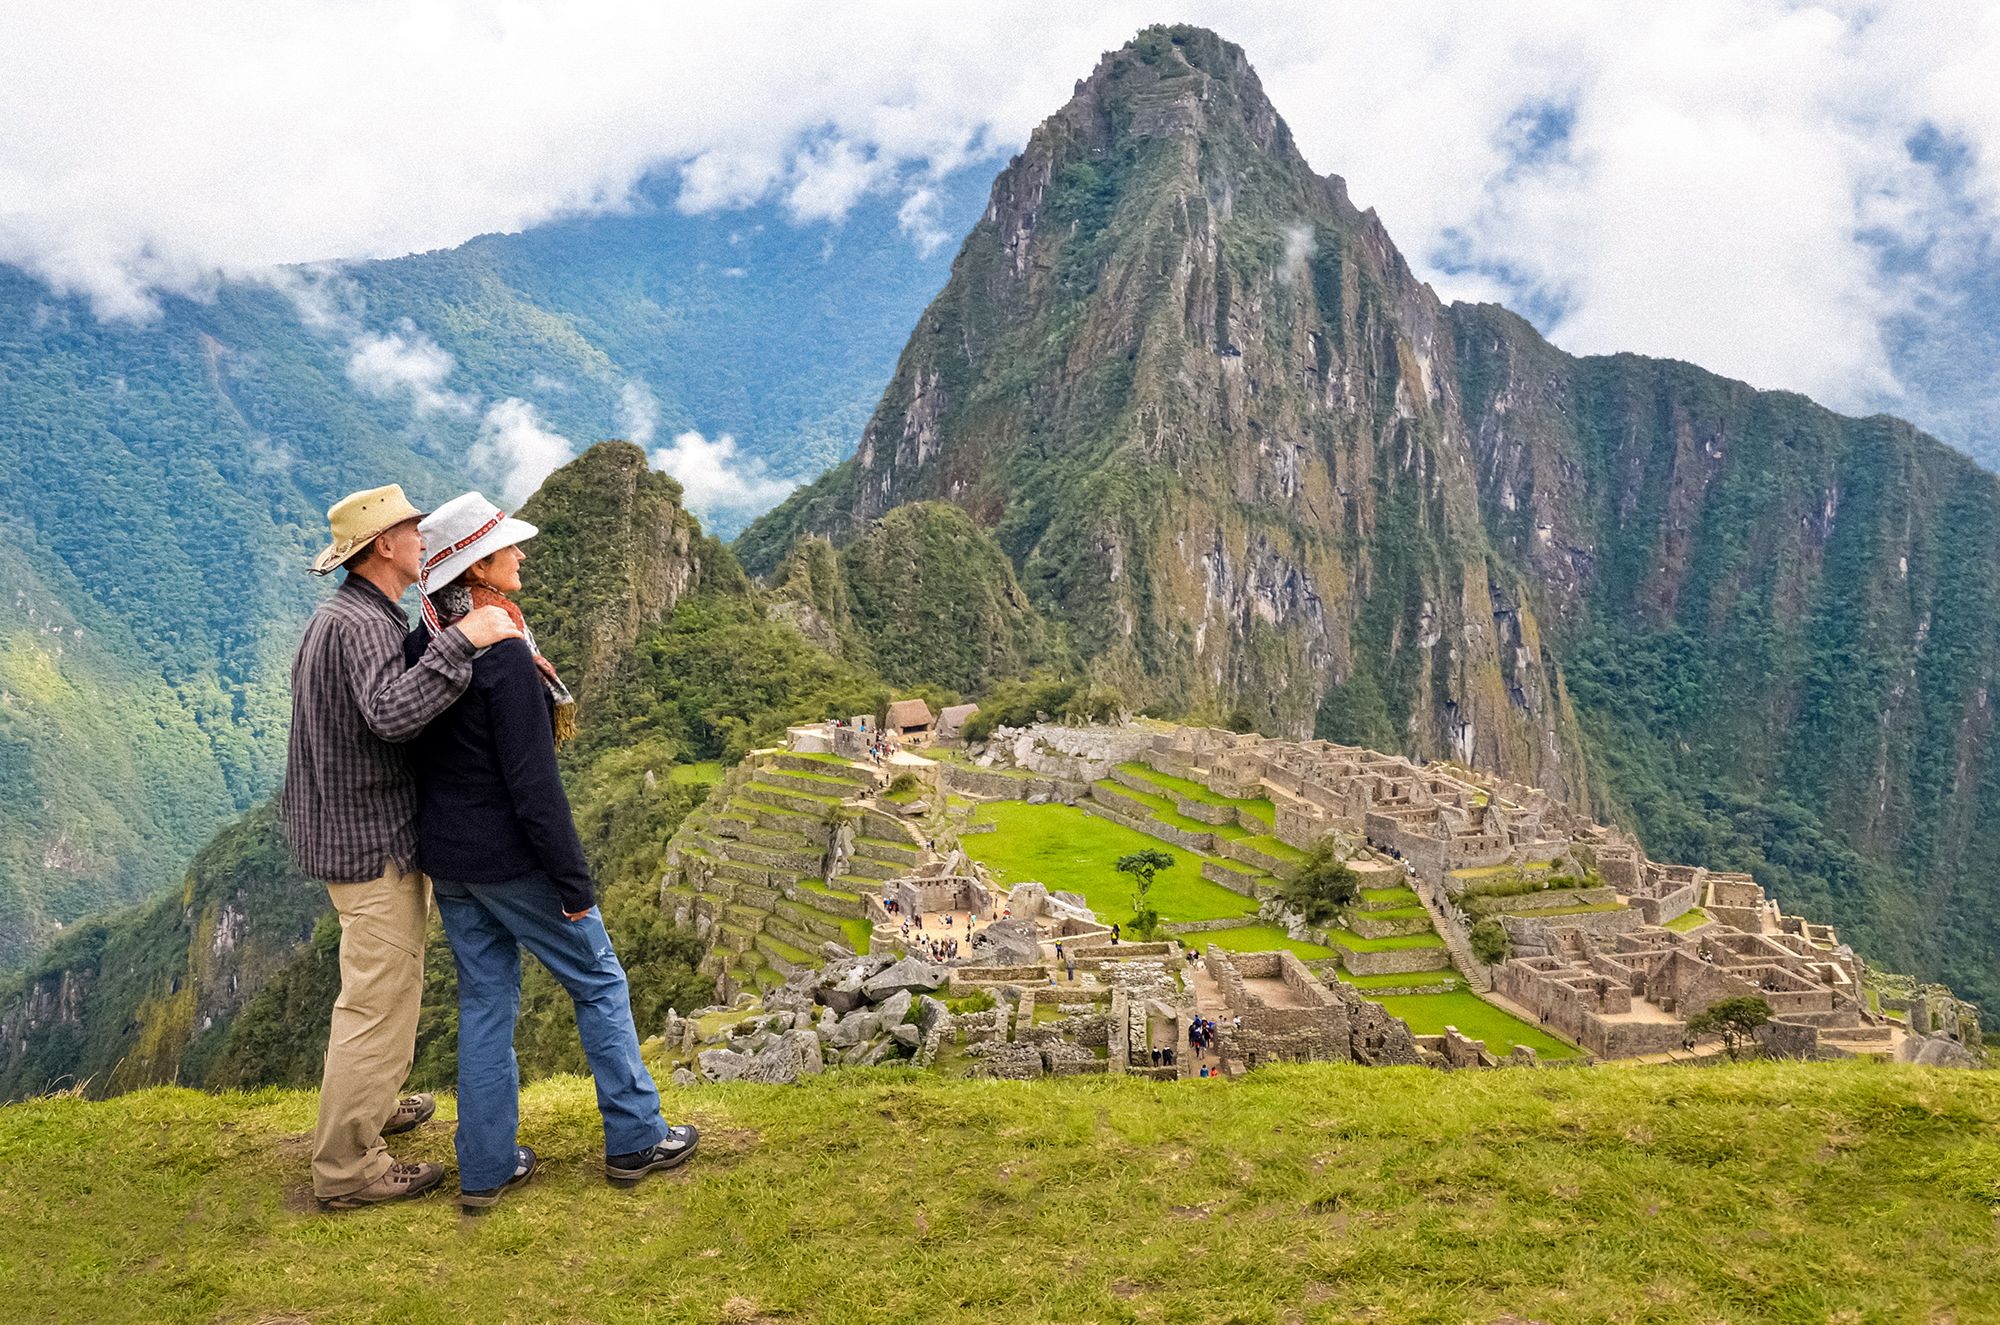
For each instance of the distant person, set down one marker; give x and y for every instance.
(350, 809)
(495, 830)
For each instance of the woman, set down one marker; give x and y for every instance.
(494, 833)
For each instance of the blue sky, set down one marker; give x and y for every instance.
(1799, 195)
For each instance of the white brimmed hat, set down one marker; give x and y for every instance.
(462, 531)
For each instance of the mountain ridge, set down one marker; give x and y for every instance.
(1249, 461)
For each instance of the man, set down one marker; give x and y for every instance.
(350, 814)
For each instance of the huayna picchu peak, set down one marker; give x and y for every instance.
(1250, 465)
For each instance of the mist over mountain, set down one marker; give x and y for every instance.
(163, 483)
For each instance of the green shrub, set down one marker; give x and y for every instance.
(1324, 884)
(1490, 943)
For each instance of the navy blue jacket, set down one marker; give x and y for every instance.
(490, 806)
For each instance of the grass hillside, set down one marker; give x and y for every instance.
(1752, 1193)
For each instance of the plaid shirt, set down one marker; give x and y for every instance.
(350, 803)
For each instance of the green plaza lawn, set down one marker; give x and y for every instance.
(1429, 1014)
(1070, 850)
(1754, 1194)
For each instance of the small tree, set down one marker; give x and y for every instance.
(1490, 943)
(1735, 1019)
(1323, 885)
(1142, 866)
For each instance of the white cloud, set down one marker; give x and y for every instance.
(638, 413)
(1721, 178)
(918, 217)
(407, 361)
(517, 449)
(716, 480)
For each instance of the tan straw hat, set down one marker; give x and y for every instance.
(357, 518)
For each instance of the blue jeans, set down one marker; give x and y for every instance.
(488, 925)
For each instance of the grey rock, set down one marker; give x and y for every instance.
(908, 974)
(724, 1064)
(930, 1013)
(683, 1077)
(850, 1029)
(905, 1034)
(1072, 899)
(1027, 900)
(1039, 798)
(787, 1058)
(895, 1007)
(843, 993)
(1009, 943)
(833, 952)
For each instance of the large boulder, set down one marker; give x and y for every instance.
(787, 1058)
(909, 974)
(931, 1013)
(895, 1007)
(1009, 943)
(724, 1064)
(906, 1035)
(843, 991)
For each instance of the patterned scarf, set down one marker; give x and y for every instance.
(458, 598)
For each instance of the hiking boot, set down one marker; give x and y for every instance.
(401, 1182)
(676, 1149)
(474, 1201)
(412, 1112)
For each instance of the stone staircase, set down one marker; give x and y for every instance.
(745, 869)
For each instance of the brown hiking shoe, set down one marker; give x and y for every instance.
(412, 1111)
(401, 1182)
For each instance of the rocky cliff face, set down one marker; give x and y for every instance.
(615, 553)
(1250, 463)
(1214, 419)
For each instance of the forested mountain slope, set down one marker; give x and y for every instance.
(1248, 461)
(161, 485)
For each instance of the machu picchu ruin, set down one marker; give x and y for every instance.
(871, 896)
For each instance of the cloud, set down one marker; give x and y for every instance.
(516, 449)
(717, 481)
(407, 362)
(918, 218)
(638, 413)
(1298, 248)
(1717, 180)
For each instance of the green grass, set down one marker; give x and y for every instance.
(1399, 913)
(1493, 871)
(1353, 942)
(858, 933)
(775, 789)
(1271, 846)
(815, 886)
(1403, 896)
(1429, 1014)
(1257, 938)
(1163, 809)
(1498, 906)
(1317, 1193)
(1259, 807)
(1688, 920)
(705, 773)
(1418, 978)
(1070, 849)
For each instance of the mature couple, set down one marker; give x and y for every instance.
(426, 761)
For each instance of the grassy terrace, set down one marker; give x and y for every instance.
(1429, 1014)
(1364, 983)
(1259, 808)
(1257, 938)
(1316, 1194)
(1070, 849)
(1399, 896)
(1271, 846)
(1494, 871)
(1688, 920)
(707, 772)
(1348, 939)
(1163, 809)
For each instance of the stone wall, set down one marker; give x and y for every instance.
(1668, 906)
(1396, 961)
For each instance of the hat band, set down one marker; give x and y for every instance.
(464, 543)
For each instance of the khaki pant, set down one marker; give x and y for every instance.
(373, 1039)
